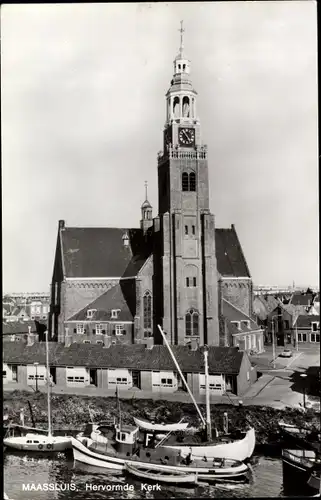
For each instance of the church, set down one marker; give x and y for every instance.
(176, 270)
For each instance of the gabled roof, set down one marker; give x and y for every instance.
(12, 327)
(295, 310)
(136, 356)
(305, 321)
(229, 254)
(99, 252)
(112, 299)
(231, 313)
(263, 305)
(94, 252)
(301, 299)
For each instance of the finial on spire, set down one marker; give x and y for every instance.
(181, 30)
(146, 185)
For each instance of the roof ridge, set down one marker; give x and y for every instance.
(239, 310)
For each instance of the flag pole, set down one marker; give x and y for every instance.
(182, 376)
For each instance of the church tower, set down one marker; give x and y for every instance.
(187, 262)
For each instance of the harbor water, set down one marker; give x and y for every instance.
(38, 477)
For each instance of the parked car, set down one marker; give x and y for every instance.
(286, 353)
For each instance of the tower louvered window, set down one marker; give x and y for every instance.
(192, 323)
(185, 181)
(147, 304)
(188, 181)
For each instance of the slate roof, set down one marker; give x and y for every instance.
(295, 310)
(137, 356)
(302, 299)
(94, 252)
(112, 299)
(305, 321)
(229, 254)
(231, 313)
(12, 327)
(263, 305)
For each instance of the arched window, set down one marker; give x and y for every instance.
(147, 304)
(186, 109)
(188, 181)
(192, 323)
(185, 181)
(176, 107)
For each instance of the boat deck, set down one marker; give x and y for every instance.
(161, 456)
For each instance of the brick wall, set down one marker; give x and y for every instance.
(125, 338)
(239, 293)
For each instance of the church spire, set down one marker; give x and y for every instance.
(181, 48)
(147, 212)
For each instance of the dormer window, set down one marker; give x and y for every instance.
(125, 239)
(246, 324)
(90, 313)
(314, 326)
(114, 313)
(237, 324)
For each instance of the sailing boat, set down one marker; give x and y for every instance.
(36, 440)
(240, 449)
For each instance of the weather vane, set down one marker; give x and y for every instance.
(146, 184)
(181, 30)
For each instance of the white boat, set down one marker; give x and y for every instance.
(124, 451)
(241, 449)
(36, 440)
(162, 476)
(161, 428)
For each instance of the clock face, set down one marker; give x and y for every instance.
(186, 136)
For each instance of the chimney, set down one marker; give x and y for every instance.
(30, 338)
(194, 345)
(149, 343)
(68, 338)
(61, 224)
(107, 341)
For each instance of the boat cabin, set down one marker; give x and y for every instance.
(126, 438)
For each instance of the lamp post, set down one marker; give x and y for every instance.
(273, 340)
(304, 376)
(36, 365)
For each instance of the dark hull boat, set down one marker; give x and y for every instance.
(298, 466)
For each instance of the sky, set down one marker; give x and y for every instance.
(83, 110)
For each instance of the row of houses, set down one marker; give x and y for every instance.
(148, 368)
(25, 307)
(292, 319)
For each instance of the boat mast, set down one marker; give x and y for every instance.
(182, 376)
(207, 395)
(48, 385)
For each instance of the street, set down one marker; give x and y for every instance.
(284, 385)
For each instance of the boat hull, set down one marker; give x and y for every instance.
(87, 456)
(171, 478)
(161, 428)
(43, 444)
(237, 450)
(297, 467)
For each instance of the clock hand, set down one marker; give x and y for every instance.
(184, 132)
